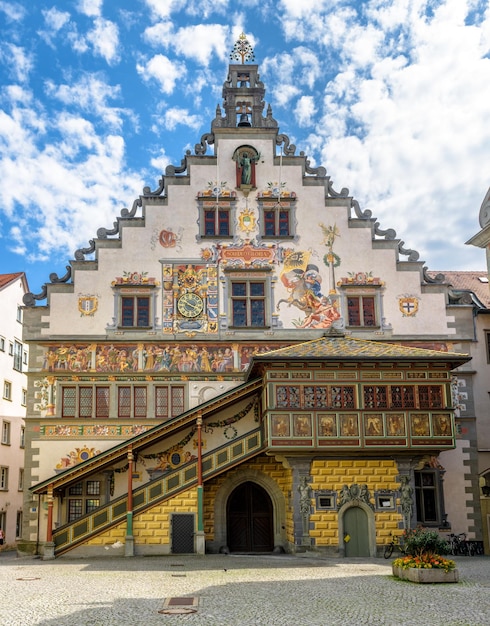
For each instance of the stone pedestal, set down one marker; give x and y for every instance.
(422, 575)
(200, 542)
(48, 551)
(129, 546)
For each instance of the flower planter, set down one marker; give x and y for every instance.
(426, 575)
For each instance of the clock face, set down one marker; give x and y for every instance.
(190, 305)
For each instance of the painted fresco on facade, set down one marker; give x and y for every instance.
(134, 278)
(408, 305)
(87, 305)
(76, 456)
(190, 298)
(172, 358)
(85, 431)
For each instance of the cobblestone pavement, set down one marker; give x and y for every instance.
(235, 591)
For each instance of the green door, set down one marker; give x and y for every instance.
(356, 531)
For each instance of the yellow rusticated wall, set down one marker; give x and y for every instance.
(376, 474)
(153, 526)
(266, 464)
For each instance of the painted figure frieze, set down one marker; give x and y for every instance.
(143, 357)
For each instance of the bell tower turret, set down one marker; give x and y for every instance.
(243, 93)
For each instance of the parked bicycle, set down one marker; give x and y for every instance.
(395, 543)
(459, 546)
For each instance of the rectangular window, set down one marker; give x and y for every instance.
(19, 314)
(102, 402)
(248, 303)
(79, 402)
(24, 358)
(18, 525)
(139, 401)
(11, 349)
(217, 222)
(288, 397)
(68, 401)
(76, 490)
(315, 397)
(23, 400)
(85, 502)
(21, 480)
(375, 397)
(430, 396)
(75, 508)
(427, 497)
(487, 344)
(4, 478)
(22, 442)
(124, 401)
(18, 351)
(361, 311)
(85, 401)
(402, 397)
(276, 223)
(91, 504)
(7, 390)
(132, 402)
(169, 402)
(93, 487)
(135, 311)
(2, 344)
(6, 433)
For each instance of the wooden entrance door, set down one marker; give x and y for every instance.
(249, 519)
(356, 529)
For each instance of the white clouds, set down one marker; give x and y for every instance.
(55, 20)
(18, 61)
(162, 8)
(163, 70)
(160, 160)
(69, 192)
(91, 8)
(104, 38)
(159, 34)
(405, 144)
(92, 95)
(175, 116)
(13, 11)
(305, 110)
(391, 97)
(199, 42)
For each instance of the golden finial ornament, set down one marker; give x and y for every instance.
(242, 50)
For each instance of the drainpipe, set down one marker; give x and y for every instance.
(129, 549)
(200, 544)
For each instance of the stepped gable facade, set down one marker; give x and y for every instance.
(247, 362)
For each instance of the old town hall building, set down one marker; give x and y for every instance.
(245, 362)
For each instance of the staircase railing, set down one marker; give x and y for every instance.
(157, 490)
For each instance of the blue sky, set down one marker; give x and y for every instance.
(97, 97)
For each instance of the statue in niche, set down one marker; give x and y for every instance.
(245, 164)
(304, 496)
(406, 500)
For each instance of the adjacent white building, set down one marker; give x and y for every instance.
(13, 364)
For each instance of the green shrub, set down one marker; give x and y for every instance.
(422, 541)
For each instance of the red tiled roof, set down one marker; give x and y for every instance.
(6, 279)
(477, 282)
